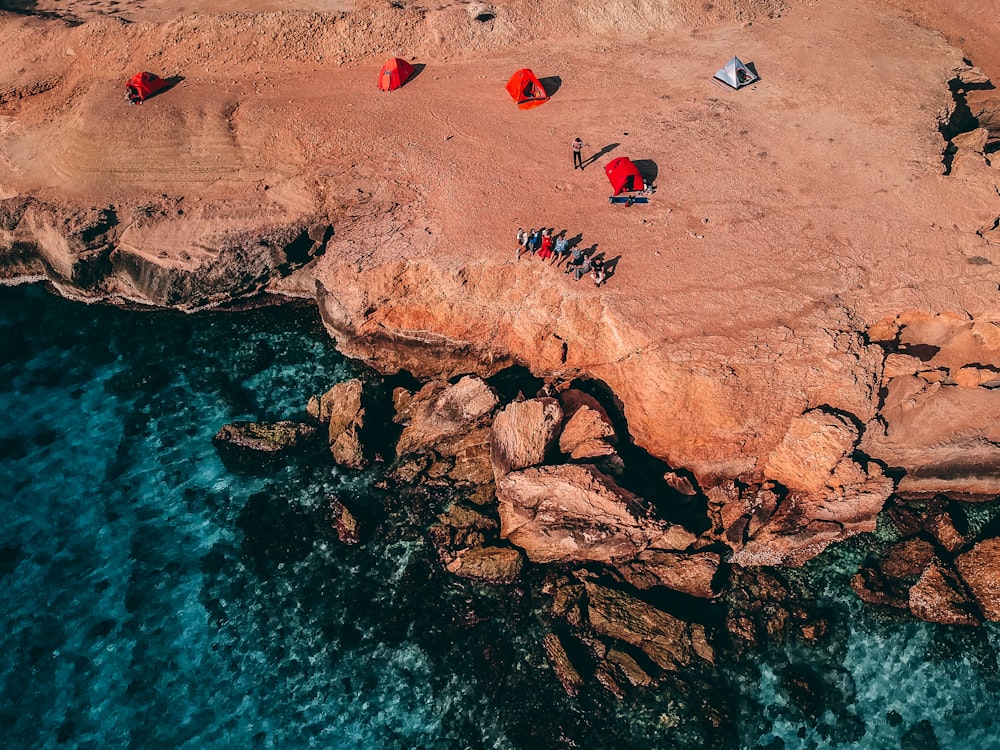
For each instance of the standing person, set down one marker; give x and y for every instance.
(562, 248)
(546, 251)
(522, 242)
(577, 153)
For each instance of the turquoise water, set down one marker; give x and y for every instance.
(153, 597)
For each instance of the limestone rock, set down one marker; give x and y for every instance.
(488, 564)
(523, 433)
(980, 570)
(342, 407)
(573, 513)
(937, 597)
(263, 440)
(690, 573)
(810, 451)
(344, 523)
(587, 434)
(888, 580)
(563, 667)
(669, 642)
(440, 415)
(766, 527)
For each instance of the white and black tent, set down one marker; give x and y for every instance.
(736, 74)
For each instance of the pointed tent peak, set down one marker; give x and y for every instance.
(736, 73)
(395, 73)
(525, 89)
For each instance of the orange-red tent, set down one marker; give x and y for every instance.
(525, 88)
(624, 175)
(394, 74)
(143, 85)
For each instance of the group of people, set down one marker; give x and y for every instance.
(539, 242)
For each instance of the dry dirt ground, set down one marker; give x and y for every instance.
(809, 203)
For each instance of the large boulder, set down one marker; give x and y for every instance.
(691, 573)
(980, 569)
(487, 564)
(587, 434)
(441, 414)
(342, 407)
(574, 513)
(938, 597)
(669, 642)
(523, 434)
(258, 441)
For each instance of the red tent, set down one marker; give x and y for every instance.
(526, 89)
(142, 86)
(394, 74)
(624, 175)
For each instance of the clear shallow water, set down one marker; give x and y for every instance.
(151, 597)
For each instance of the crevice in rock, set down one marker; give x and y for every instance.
(961, 118)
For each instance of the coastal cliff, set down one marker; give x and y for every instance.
(812, 284)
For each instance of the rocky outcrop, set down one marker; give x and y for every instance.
(524, 433)
(691, 573)
(588, 431)
(343, 411)
(255, 441)
(488, 564)
(670, 643)
(574, 513)
(156, 254)
(980, 569)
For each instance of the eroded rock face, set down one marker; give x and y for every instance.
(980, 569)
(691, 573)
(342, 407)
(523, 434)
(573, 513)
(939, 417)
(440, 415)
(670, 643)
(488, 564)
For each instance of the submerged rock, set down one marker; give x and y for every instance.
(344, 523)
(568, 676)
(256, 440)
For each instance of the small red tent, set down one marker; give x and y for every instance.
(394, 74)
(142, 86)
(624, 175)
(526, 89)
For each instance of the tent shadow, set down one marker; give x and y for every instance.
(648, 169)
(418, 68)
(551, 84)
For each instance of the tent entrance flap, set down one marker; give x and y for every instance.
(525, 89)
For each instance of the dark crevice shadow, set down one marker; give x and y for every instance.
(551, 84)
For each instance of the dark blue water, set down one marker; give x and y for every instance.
(152, 597)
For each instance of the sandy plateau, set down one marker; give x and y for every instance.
(810, 297)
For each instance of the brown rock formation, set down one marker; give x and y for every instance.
(670, 643)
(691, 573)
(587, 434)
(441, 416)
(980, 570)
(488, 564)
(344, 523)
(888, 579)
(938, 597)
(568, 676)
(263, 441)
(574, 513)
(523, 434)
(343, 408)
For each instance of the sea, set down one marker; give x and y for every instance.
(153, 595)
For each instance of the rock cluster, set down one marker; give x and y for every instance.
(939, 570)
